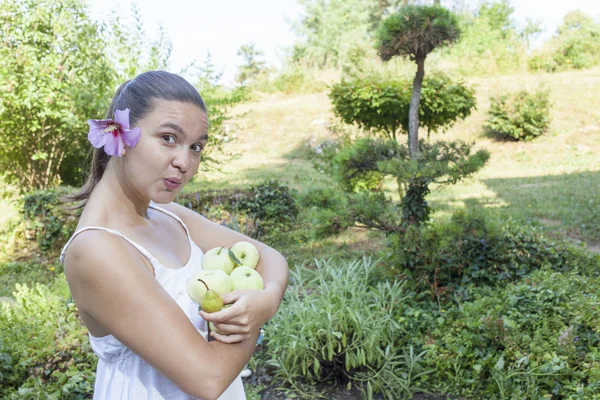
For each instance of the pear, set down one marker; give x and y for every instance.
(212, 326)
(211, 301)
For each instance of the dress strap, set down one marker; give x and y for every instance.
(141, 249)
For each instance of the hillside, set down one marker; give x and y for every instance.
(552, 182)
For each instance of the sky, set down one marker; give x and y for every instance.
(220, 27)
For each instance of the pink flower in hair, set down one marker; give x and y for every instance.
(113, 135)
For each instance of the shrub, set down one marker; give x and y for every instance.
(270, 201)
(335, 325)
(519, 116)
(46, 219)
(470, 250)
(575, 46)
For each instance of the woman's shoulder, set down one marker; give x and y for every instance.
(97, 247)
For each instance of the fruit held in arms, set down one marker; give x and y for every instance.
(211, 301)
(246, 253)
(215, 279)
(217, 258)
(246, 278)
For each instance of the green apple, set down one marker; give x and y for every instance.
(246, 278)
(216, 280)
(247, 253)
(217, 258)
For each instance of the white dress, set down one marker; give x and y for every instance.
(122, 374)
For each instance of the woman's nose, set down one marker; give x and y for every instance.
(182, 161)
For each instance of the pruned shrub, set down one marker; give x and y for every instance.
(520, 116)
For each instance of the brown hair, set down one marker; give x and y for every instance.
(137, 95)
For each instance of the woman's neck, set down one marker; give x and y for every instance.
(115, 195)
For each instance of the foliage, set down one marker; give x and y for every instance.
(28, 272)
(294, 77)
(253, 64)
(440, 162)
(44, 352)
(520, 116)
(54, 75)
(131, 49)
(535, 338)
(468, 249)
(335, 325)
(381, 105)
(327, 211)
(414, 31)
(576, 45)
(270, 201)
(46, 219)
(327, 28)
(219, 102)
(490, 40)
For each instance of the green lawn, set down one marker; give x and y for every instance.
(551, 181)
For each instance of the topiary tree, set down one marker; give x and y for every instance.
(381, 105)
(414, 32)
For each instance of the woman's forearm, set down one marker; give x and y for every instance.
(274, 270)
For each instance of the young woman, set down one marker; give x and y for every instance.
(129, 260)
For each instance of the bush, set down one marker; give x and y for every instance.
(46, 219)
(468, 250)
(519, 116)
(335, 326)
(270, 201)
(575, 46)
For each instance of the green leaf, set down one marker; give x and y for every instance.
(234, 258)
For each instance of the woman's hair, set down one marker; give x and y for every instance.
(137, 95)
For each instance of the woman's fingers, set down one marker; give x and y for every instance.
(228, 338)
(229, 329)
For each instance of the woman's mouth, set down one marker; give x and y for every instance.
(172, 183)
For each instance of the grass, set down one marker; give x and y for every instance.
(551, 181)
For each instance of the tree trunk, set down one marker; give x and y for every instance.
(413, 113)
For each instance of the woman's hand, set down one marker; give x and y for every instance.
(249, 311)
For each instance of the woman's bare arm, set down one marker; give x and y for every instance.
(111, 283)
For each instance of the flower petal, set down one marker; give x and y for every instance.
(114, 145)
(99, 123)
(96, 137)
(122, 118)
(131, 137)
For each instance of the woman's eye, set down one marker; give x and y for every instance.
(197, 148)
(169, 139)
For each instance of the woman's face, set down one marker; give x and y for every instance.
(168, 153)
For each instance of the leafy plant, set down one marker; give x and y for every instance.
(54, 75)
(381, 105)
(46, 219)
(270, 201)
(574, 46)
(413, 32)
(519, 116)
(336, 322)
